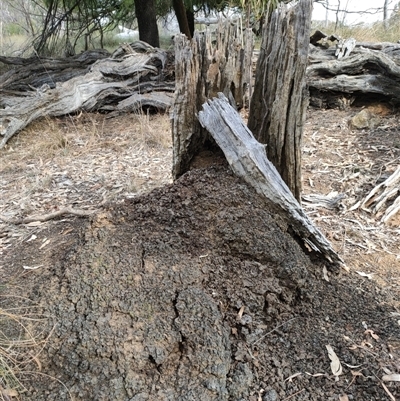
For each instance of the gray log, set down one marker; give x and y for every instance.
(248, 159)
(109, 85)
(365, 73)
(30, 73)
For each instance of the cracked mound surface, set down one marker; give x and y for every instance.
(196, 291)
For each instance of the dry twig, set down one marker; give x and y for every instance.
(49, 216)
(383, 192)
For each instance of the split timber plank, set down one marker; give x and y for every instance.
(248, 159)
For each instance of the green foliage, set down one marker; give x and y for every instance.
(123, 13)
(13, 29)
(165, 6)
(68, 21)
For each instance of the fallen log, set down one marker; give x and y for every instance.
(380, 196)
(30, 73)
(366, 74)
(109, 85)
(359, 62)
(248, 159)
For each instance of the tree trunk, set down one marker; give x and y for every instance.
(386, 14)
(201, 71)
(327, 14)
(190, 19)
(147, 22)
(181, 16)
(279, 102)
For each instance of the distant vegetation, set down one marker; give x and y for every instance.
(375, 32)
(22, 21)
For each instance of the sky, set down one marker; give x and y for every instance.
(354, 5)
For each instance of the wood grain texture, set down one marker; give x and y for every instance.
(278, 105)
(109, 84)
(204, 67)
(248, 159)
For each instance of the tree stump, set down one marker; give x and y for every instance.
(278, 105)
(203, 68)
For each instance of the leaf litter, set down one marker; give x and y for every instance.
(111, 164)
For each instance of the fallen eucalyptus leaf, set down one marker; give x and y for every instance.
(336, 366)
(368, 275)
(394, 377)
(290, 378)
(315, 374)
(325, 274)
(31, 267)
(372, 334)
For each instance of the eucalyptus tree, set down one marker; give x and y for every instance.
(145, 11)
(67, 21)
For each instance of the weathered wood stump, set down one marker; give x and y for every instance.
(202, 69)
(278, 105)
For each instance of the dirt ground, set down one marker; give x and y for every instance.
(192, 290)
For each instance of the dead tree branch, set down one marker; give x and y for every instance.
(49, 216)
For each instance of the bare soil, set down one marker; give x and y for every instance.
(194, 289)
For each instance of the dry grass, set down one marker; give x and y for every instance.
(49, 138)
(22, 338)
(13, 45)
(373, 33)
(83, 160)
(364, 33)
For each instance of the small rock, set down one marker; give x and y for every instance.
(245, 320)
(270, 395)
(364, 119)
